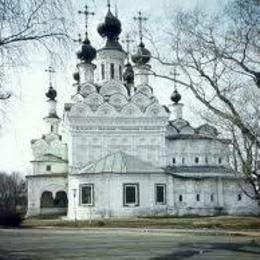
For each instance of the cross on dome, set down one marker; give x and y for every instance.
(176, 96)
(140, 19)
(51, 72)
(128, 41)
(175, 75)
(108, 4)
(86, 13)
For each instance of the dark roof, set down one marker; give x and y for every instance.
(49, 175)
(200, 169)
(195, 137)
(50, 158)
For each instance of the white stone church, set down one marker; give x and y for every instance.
(122, 153)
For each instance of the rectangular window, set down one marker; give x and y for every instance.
(206, 160)
(48, 168)
(87, 194)
(219, 160)
(183, 160)
(131, 194)
(160, 193)
(212, 197)
(103, 71)
(173, 160)
(197, 160)
(112, 70)
(120, 72)
(198, 197)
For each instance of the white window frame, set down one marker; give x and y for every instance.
(136, 203)
(91, 185)
(164, 193)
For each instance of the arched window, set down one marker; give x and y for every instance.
(239, 197)
(180, 198)
(103, 71)
(219, 160)
(173, 160)
(196, 159)
(112, 71)
(46, 200)
(198, 197)
(212, 197)
(206, 160)
(52, 128)
(61, 200)
(183, 160)
(48, 168)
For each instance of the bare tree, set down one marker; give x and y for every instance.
(12, 192)
(218, 57)
(29, 24)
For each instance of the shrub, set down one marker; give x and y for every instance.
(11, 219)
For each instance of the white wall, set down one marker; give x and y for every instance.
(108, 196)
(37, 185)
(189, 149)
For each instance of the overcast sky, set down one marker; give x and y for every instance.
(24, 116)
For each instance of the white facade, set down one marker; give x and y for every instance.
(123, 154)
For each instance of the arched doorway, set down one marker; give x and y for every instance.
(47, 200)
(61, 200)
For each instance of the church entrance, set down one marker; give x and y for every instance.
(56, 205)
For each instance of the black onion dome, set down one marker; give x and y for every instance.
(87, 53)
(142, 56)
(175, 97)
(76, 76)
(128, 74)
(51, 94)
(111, 27)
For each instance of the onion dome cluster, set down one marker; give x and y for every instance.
(175, 97)
(142, 56)
(128, 74)
(110, 28)
(51, 94)
(87, 53)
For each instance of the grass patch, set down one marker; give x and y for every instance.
(221, 222)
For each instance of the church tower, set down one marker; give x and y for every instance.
(114, 111)
(110, 58)
(47, 185)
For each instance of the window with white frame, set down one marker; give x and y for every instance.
(87, 194)
(160, 193)
(131, 194)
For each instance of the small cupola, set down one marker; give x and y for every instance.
(111, 29)
(87, 53)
